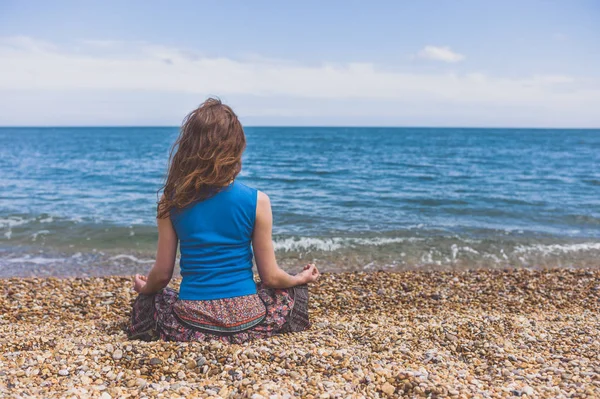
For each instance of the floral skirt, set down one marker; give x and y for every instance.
(159, 316)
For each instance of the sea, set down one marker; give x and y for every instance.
(81, 201)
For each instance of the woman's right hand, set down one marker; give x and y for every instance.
(139, 282)
(309, 274)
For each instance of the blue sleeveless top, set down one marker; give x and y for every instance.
(215, 238)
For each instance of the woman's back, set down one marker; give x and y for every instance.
(215, 237)
(220, 226)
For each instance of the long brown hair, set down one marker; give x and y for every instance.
(206, 156)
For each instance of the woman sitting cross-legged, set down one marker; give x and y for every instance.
(221, 225)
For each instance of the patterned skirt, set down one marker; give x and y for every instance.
(232, 320)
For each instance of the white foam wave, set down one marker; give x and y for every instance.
(557, 249)
(383, 240)
(38, 260)
(305, 243)
(427, 258)
(13, 221)
(456, 250)
(35, 235)
(131, 258)
(334, 243)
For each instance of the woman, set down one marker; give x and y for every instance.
(220, 224)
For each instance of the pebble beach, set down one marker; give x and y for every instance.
(479, 333)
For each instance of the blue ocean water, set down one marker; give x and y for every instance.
(83, 200)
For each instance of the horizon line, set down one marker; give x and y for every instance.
(304, 126)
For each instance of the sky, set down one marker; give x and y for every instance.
(468, 63)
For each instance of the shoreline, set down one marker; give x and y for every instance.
(485, 333)
(49, 246)
(24, 262)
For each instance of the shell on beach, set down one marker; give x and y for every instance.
(485, 333)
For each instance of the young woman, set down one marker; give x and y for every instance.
(220, 225)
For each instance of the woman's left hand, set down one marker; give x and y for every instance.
(309, 274)
(139, 282)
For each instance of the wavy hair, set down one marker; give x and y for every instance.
(205, 158)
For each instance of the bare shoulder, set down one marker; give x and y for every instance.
(263, 207)
(165, 225)
(263, 199)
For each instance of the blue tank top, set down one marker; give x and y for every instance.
(215, 237)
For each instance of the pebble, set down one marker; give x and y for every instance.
(528, 391)
(118, 354)
(388, 389)
(200, 361)
(420, 339)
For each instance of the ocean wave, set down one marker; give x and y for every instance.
(557, 249)
(131, 258)
(335, 243)
(13, 221)
(35, 235)
(10, 221)
(38, 260)
(456, 250)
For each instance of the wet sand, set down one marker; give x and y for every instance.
(483, 333)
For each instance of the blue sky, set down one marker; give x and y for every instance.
(399, 63)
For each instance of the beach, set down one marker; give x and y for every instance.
(456, 264)
(479, 333)
(431, 170)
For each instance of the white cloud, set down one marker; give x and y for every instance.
(436, 53)
(31, 70)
